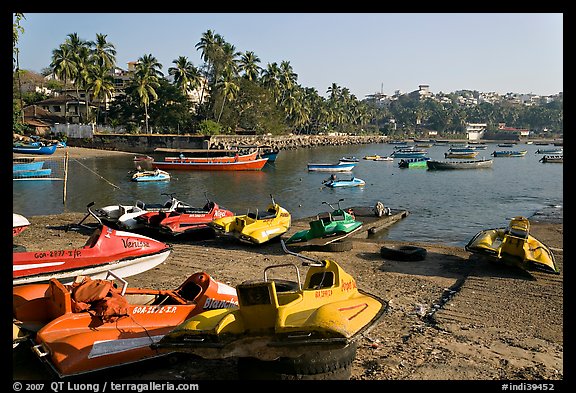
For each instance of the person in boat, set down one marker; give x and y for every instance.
(330, 179)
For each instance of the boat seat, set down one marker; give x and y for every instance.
(325, 217)
(338, 218)
(252, 215)
(321, 280)
(189, 290)
(141, 205)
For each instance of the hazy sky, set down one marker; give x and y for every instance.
(365, 52)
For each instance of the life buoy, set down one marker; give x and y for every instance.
(403, 253)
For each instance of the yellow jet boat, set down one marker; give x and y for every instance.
(255, 227)
(285, 327)
(514, 245)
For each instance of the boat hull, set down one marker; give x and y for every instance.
(253, 165)
(40, 150)
(472, 164)
(123, 253)
(340, 167)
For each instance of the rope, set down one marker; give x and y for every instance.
(113, 185)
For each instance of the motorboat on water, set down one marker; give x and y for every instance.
(19, 223)
(151, 175)
(337, 223)
(552, 158)
(341, 166)
(91, 325)
(515, 246)
(463, 164)
(304, 330)
(336, 183)
(255, 227)
(122, 253)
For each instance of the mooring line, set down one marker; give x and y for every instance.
(113, 185)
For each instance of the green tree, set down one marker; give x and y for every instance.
(248, 63)
(146, 81)
(186, 76)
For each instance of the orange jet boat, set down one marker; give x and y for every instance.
(92, 325)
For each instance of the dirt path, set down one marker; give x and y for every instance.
(452, 316)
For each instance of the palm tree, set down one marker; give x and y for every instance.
(63, 64)
(146, 81)
(271, 79)
(104, 52)
(249, 64)
(229, 90)
(186, 76)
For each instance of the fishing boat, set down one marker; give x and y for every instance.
(349, 159)
(464, 164)
(554, 151)
(509, 153)
(377, 157)
(461, 154)
(148, 176)
(27, 166)
(141, 158)
(183, 219)
(515, 246)
(269, 152)
(91, 325)
(123, 253)
(552, 158)
(34, 149)
(19, 224)
(225, 157)
(337, 223)
(285, 329)
(341, 166)
(252, 165)
(419, 162)
(254, 227)
(31, 174)
(506, 144)
(410, 153)
(353, 182)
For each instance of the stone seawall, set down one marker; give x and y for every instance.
(145, 144)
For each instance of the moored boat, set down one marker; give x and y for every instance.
(148, 176)
(464, 164)
(461, 154)
(509, 153)
(341, 166)
(515, 246)
(353, 182)
(34, 149)
(419, 162)
(552, 158)
(408, 153)
(92, 325)
(554, 151)
(252, 165)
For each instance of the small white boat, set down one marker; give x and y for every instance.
(19, 223)
(153, 175)
(341, 166)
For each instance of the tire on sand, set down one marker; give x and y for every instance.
(403, 253)
(334, 364)
(337, 246)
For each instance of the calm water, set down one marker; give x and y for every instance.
(445, 206)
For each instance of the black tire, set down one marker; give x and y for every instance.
(403, 253)
(313, 365)
(338, 246)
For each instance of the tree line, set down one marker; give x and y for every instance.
(237, 92)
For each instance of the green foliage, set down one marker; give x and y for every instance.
(209, 127)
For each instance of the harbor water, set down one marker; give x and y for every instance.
(445, 206)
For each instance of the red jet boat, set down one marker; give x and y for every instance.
(183, 219)
(93, 325)
(107, 249)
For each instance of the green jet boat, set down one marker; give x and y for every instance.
(335, 223)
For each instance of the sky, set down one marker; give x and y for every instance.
(365, 52)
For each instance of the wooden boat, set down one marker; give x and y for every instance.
(19, 224)
(147, 176)
(269, 152)
(349, 159)
(284, 327)
(91, 325)
(419, 162)
(336, 183)
(555, 151)
(183, 219)
(107, 249)
(509, 153)
(377, 157)
(253, 165)
(341, 166)
(514, 245)
(337, 223)
(413, 153)
(465, 164)
(32, 149)
(552, 158)
(215, 159)
(254, 227)
(143, 159)
(461, 154)
(27, 166)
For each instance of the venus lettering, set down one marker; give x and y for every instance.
(135, 243)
